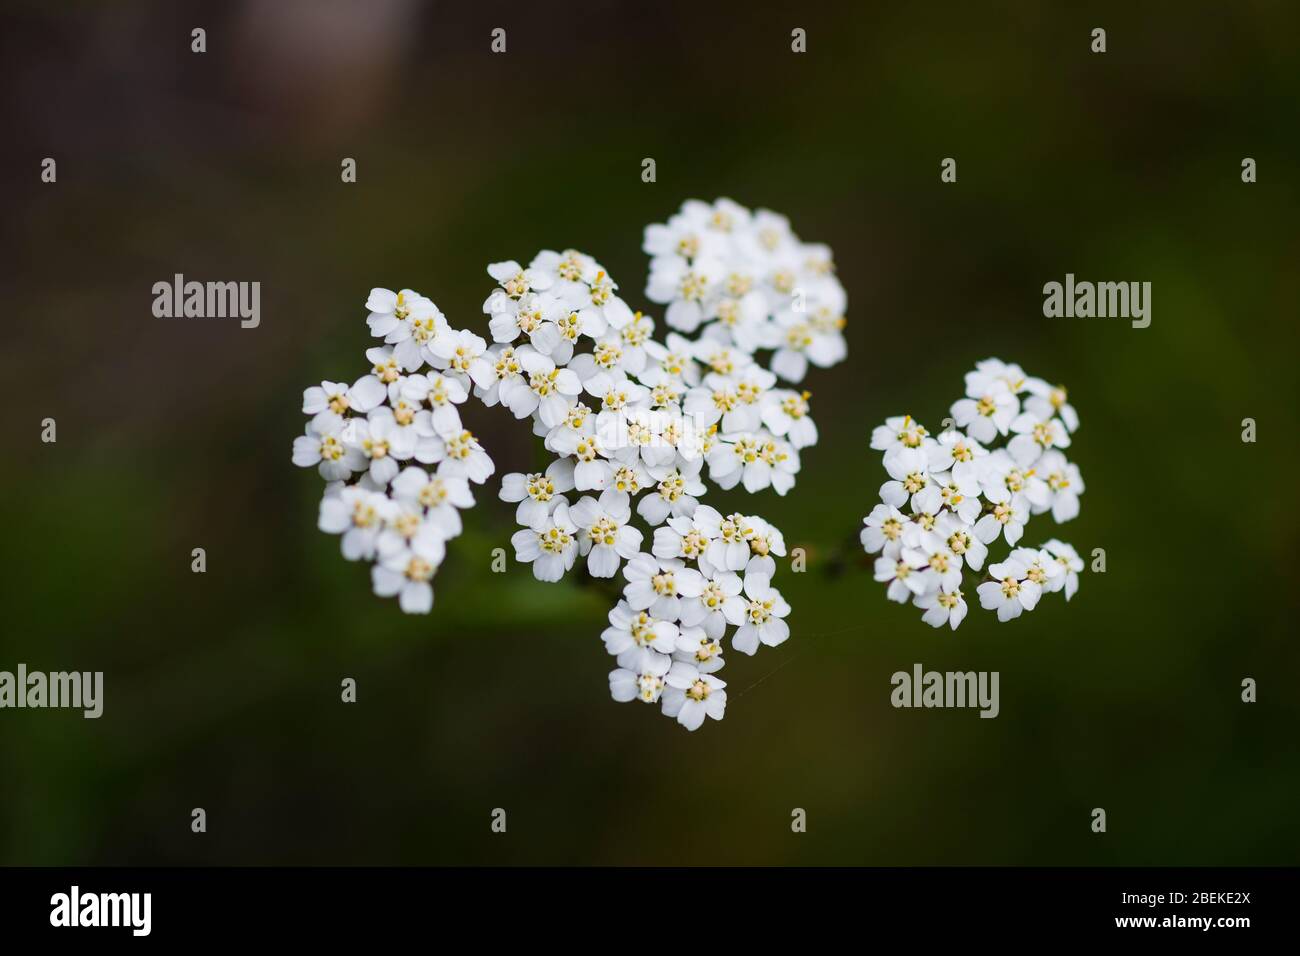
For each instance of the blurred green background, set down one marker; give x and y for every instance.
(222, 689)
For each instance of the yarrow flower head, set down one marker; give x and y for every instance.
(949, 498)
(637, 425)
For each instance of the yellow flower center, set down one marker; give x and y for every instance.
(540, 488)
(330, 448)
(554, 540)
(434, 493)
(604, 531)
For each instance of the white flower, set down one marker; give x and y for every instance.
(684, 237)
(635, 334)
(571, 325)
(602, 366)
(659, 585)
(326, 403)
(442, 393)
(1046, 400)
(381, 440)
(597, 306)
(536, 492)
(708, 403)
(388, 309)
(909, 473)
(992, 373)
(666, 392)
(691, 695)
(500, 370)
(752, 385)
(405, 572)
(960, 495)
(884, 526)
(1064, 485)
(1034, 436)
(761, 619)
(685, 286)
(372, 390)
(707, 608)
(960, 538)
(620, 398)
(942, 607)
(827, 321)
(696, 647)
(407, 530)
(578, 422)
(415, 435)
(359, 515)
(785, 413)
(719, 358)
(943, 564)
(463, 355)
(533, 314)
(683, 537)
(1007, 519)
(605, 535)
(466, 457)
(632, 632)
(547, 390)
(1071, 564)
(803, 341)
(1011, 593)
(770, 232)
(406, 320)
(651, 437)
(645, 684)
(765, 540)
(1001, 478)
(755, 459)
(901, 431)
(728, 547)
(591, 471)
(900, 568)
(675, 360)
(441, 495)
(550, 548)
(368, 392)
(922, 531)
(323, 445)
(987, 415)
(741, 317)
(570, 271)
(584, 288)
(628, 479)
(516, 281)
(1041, 568)
(957, 453)
(676, 492)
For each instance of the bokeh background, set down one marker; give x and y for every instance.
(222, 689)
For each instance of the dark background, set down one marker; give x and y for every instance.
(222, 689)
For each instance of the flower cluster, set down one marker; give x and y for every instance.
(635, 425)
(374, 442)
(747, 281)
(962, 492)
